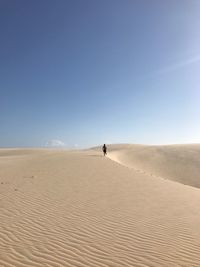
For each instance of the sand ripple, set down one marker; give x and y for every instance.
(80, 209)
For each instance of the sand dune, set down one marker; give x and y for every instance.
(60, 208)
(179, 163)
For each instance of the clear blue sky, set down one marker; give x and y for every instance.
(89, 72)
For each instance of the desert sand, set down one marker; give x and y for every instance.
(139, 206)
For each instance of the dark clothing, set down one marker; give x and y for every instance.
(104, 148)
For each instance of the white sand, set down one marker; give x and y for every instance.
(179, 163)
(80, 209)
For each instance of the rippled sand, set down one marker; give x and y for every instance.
(60, 208)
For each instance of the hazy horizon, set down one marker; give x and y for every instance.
(78, 73)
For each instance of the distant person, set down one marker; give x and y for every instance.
(104, 148)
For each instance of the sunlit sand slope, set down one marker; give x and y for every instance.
(179, 163)
(79, 209)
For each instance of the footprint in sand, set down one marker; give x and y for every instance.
(29, 176)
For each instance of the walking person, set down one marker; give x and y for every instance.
(104, 148)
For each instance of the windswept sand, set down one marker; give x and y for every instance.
(79, 209)
(179, 163)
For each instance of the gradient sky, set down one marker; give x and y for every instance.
(104, 71)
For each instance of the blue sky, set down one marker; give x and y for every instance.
(89, 72)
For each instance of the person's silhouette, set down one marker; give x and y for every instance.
(104, 148)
